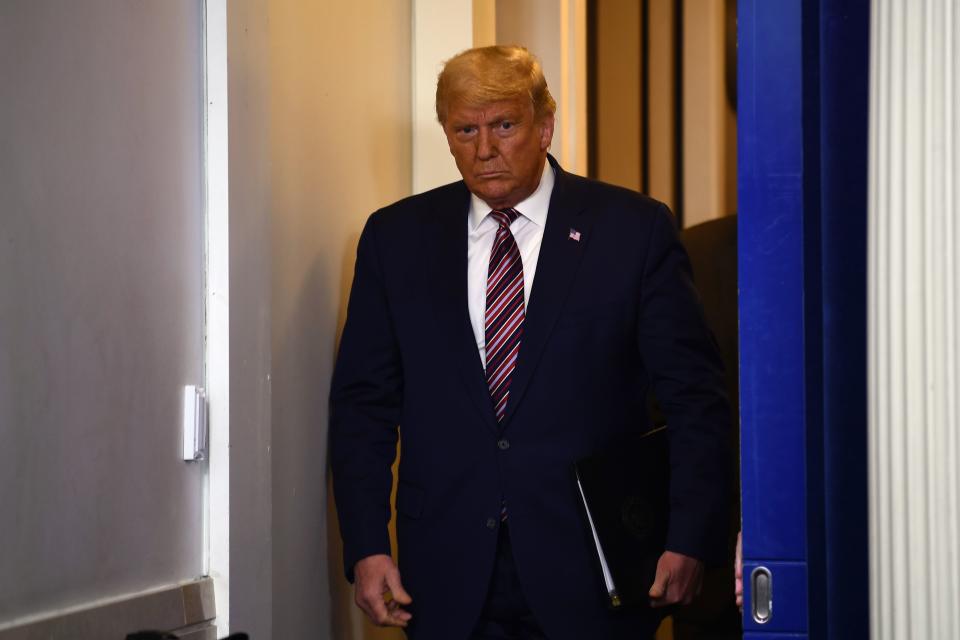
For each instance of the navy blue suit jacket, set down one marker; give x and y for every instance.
(608, 316)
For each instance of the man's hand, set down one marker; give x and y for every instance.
(738, 579)
(376, 577)
(678, 580)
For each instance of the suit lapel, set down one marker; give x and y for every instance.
(445, 247)
(560, 256)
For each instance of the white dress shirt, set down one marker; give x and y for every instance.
(527, 230)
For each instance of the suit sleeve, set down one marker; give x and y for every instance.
(686, 372)
(365, 406)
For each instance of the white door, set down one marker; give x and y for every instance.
(101, 298)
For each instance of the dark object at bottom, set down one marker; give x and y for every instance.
(624, 492)
(163, 635)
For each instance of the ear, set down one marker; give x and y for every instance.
(546, 132)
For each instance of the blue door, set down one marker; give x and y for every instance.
(803, 80)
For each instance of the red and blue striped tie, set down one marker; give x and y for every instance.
(505, 312)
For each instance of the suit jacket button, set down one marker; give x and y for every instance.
(491, 523)
(503, 444)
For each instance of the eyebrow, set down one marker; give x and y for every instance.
(498, 117)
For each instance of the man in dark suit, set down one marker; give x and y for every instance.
(510, 324)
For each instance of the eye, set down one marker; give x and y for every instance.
(467, 130)
(506, 125)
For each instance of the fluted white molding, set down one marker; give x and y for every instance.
(914, 319)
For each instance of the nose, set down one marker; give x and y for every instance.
(486, 144)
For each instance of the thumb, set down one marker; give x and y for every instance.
(659, 588)
(396, 588)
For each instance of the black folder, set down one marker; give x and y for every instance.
(624, 492)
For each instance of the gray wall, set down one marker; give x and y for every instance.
(250, 552)
(101, 298)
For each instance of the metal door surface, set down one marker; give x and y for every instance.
(802, 83)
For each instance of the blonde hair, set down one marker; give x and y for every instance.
(491, 74)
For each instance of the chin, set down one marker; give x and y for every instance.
(498, 201)
(489, 195)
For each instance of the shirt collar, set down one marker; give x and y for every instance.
(534, 208)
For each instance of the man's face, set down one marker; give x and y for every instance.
(499, 148)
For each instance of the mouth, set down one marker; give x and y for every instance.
(490, 174)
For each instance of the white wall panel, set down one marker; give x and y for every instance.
(101, 299)
(914, 320)
(441, 29)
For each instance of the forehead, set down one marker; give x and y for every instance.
(463, 112)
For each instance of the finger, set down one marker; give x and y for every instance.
(695, 583)
(401, 617)
(738, 562)
(397, 612)
(659, 588)
(395, 618)
(375, 608)
(369, 597)
(395, 621)
(679, 590)
(395, 596)
(396, 588)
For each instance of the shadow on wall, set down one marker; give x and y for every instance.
(302, 314)
(347, 621)
(311, 597)
(347, 263)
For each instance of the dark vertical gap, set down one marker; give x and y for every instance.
(592, 88)
(645, 96)
(678, 110)
(813, 319)
(844, 28)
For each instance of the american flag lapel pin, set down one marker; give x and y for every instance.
(574, 235)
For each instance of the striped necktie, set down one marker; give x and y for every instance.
(505, 312)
